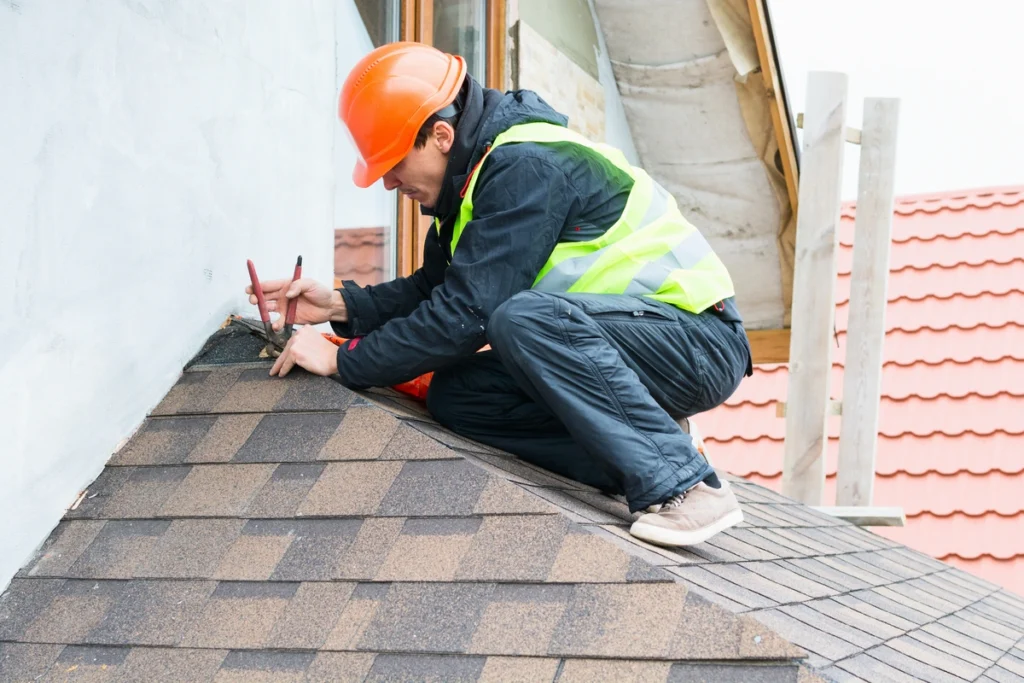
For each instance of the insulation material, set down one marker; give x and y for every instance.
(701, 121)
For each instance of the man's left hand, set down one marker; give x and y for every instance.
(308, 349)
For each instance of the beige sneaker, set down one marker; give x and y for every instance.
(690, 518)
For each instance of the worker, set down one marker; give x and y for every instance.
(607, 314)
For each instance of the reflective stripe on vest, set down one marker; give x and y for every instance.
(651, 250)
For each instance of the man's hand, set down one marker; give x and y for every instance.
(307, 348)
(317, 303)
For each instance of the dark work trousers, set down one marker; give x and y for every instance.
(589, 386)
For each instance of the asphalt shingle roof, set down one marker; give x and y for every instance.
(265, 529)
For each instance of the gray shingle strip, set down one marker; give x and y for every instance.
(858, 615)
(868, 668)
(775, 536)
(939, 659)
(878, 612)
(894, 605)
(761, 516)
(911, 666)
(976, 632)
(782, 575)
(717, 585)
(741, 544)
(841, 564)
(750, 579)
(997, 674)
(765, 545)
(818, 570)
(953, 645)
(825, 645)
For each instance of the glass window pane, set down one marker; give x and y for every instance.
(365, 221)
(460, 27)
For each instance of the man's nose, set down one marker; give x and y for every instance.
(390, 181)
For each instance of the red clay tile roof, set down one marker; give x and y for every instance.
(262, 529)
(359, 256)
(951, 442)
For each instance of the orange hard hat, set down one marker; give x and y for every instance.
(389, 94)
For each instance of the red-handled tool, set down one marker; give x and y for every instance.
(293, 304)
(276, 341)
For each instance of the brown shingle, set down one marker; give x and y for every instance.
(434, 488)
(427, 617)
(202, 391)
(253, 392)
(315, 549)
(152, 612)
(224, 439)
(144, 492)
(190, 548)
(285, 491)
(63, 547)
(252, 558)
(88, 663)
(362, 435)
(585, 558)
(163, 441)
(626, 620)
(74, 611)
(216, 490)
(309, 392)
(20, 662)
(22, 602)
(171, 665)
(339, 667)
(420, 667)
(357, 615)
(240, 615)
(350, 488)
(119, 549)
(364, 557)
(100, 492)
(429, 549)
(513, 548)
(409, 443)
(600, 670)
(241, 666)
(516, 628)
(518, 670)
(288, 437)
(503, 497)
(310, 616)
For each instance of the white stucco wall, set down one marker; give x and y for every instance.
(148, 149)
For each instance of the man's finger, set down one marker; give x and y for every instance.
(289, 363)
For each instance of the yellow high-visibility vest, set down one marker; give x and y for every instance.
(651, 250)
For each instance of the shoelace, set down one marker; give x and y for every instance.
(674, 501)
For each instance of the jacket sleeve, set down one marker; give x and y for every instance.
(521, 203)
(370, 307)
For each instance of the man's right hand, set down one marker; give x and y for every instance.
(317, 303)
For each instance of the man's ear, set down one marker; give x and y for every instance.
(444, 135)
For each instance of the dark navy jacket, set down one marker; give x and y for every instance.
(528, 197)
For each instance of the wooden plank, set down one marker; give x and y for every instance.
(869, 280)
(780, 117)
(769, 346)
(866, 516)
(496, 15)
(835, 409)
(784, 137)
(814, 281)
(853, 135)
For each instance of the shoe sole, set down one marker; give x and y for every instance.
(672, 538)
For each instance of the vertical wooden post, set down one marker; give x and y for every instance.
(810, 354)
(869, 279)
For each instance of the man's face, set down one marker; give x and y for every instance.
(420, 174)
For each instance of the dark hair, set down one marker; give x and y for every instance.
(428, 127)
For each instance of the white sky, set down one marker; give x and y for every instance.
(958, 68)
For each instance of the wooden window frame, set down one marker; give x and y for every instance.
(417, 24)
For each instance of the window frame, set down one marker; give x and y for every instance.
(417, 24)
